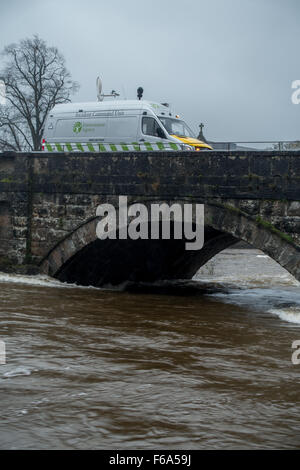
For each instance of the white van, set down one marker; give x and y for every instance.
(119, 125)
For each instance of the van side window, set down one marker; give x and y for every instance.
(151, 127)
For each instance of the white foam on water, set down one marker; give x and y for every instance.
(284, 279)
(18, 372)
(47, 281)
(290, 314)
(285, 303)
(39, 280)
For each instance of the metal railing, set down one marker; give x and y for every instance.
(266, 145)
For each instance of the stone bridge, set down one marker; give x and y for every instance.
(48, 211)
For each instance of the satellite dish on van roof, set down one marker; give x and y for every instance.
(99, 89)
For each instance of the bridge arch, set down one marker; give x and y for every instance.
(81, 257)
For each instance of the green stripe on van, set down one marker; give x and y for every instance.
(148, 146)
(79, 147)
(173, 146)
(59, 147)
(104, 147)
(124, 147)
(160, 145)
(136, 146)
(90, 147)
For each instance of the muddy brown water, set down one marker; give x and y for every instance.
(203, 364)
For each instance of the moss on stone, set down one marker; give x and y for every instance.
(7, 180)
(273, 229)
(260, 221)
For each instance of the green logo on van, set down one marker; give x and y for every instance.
(77, 127)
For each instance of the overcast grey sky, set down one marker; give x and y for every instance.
(227, 63)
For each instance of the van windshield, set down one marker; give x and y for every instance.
(177, 127)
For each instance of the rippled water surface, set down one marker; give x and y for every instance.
(204, 364)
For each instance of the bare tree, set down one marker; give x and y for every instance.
(36, 79)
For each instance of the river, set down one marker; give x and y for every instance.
(200, 364)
